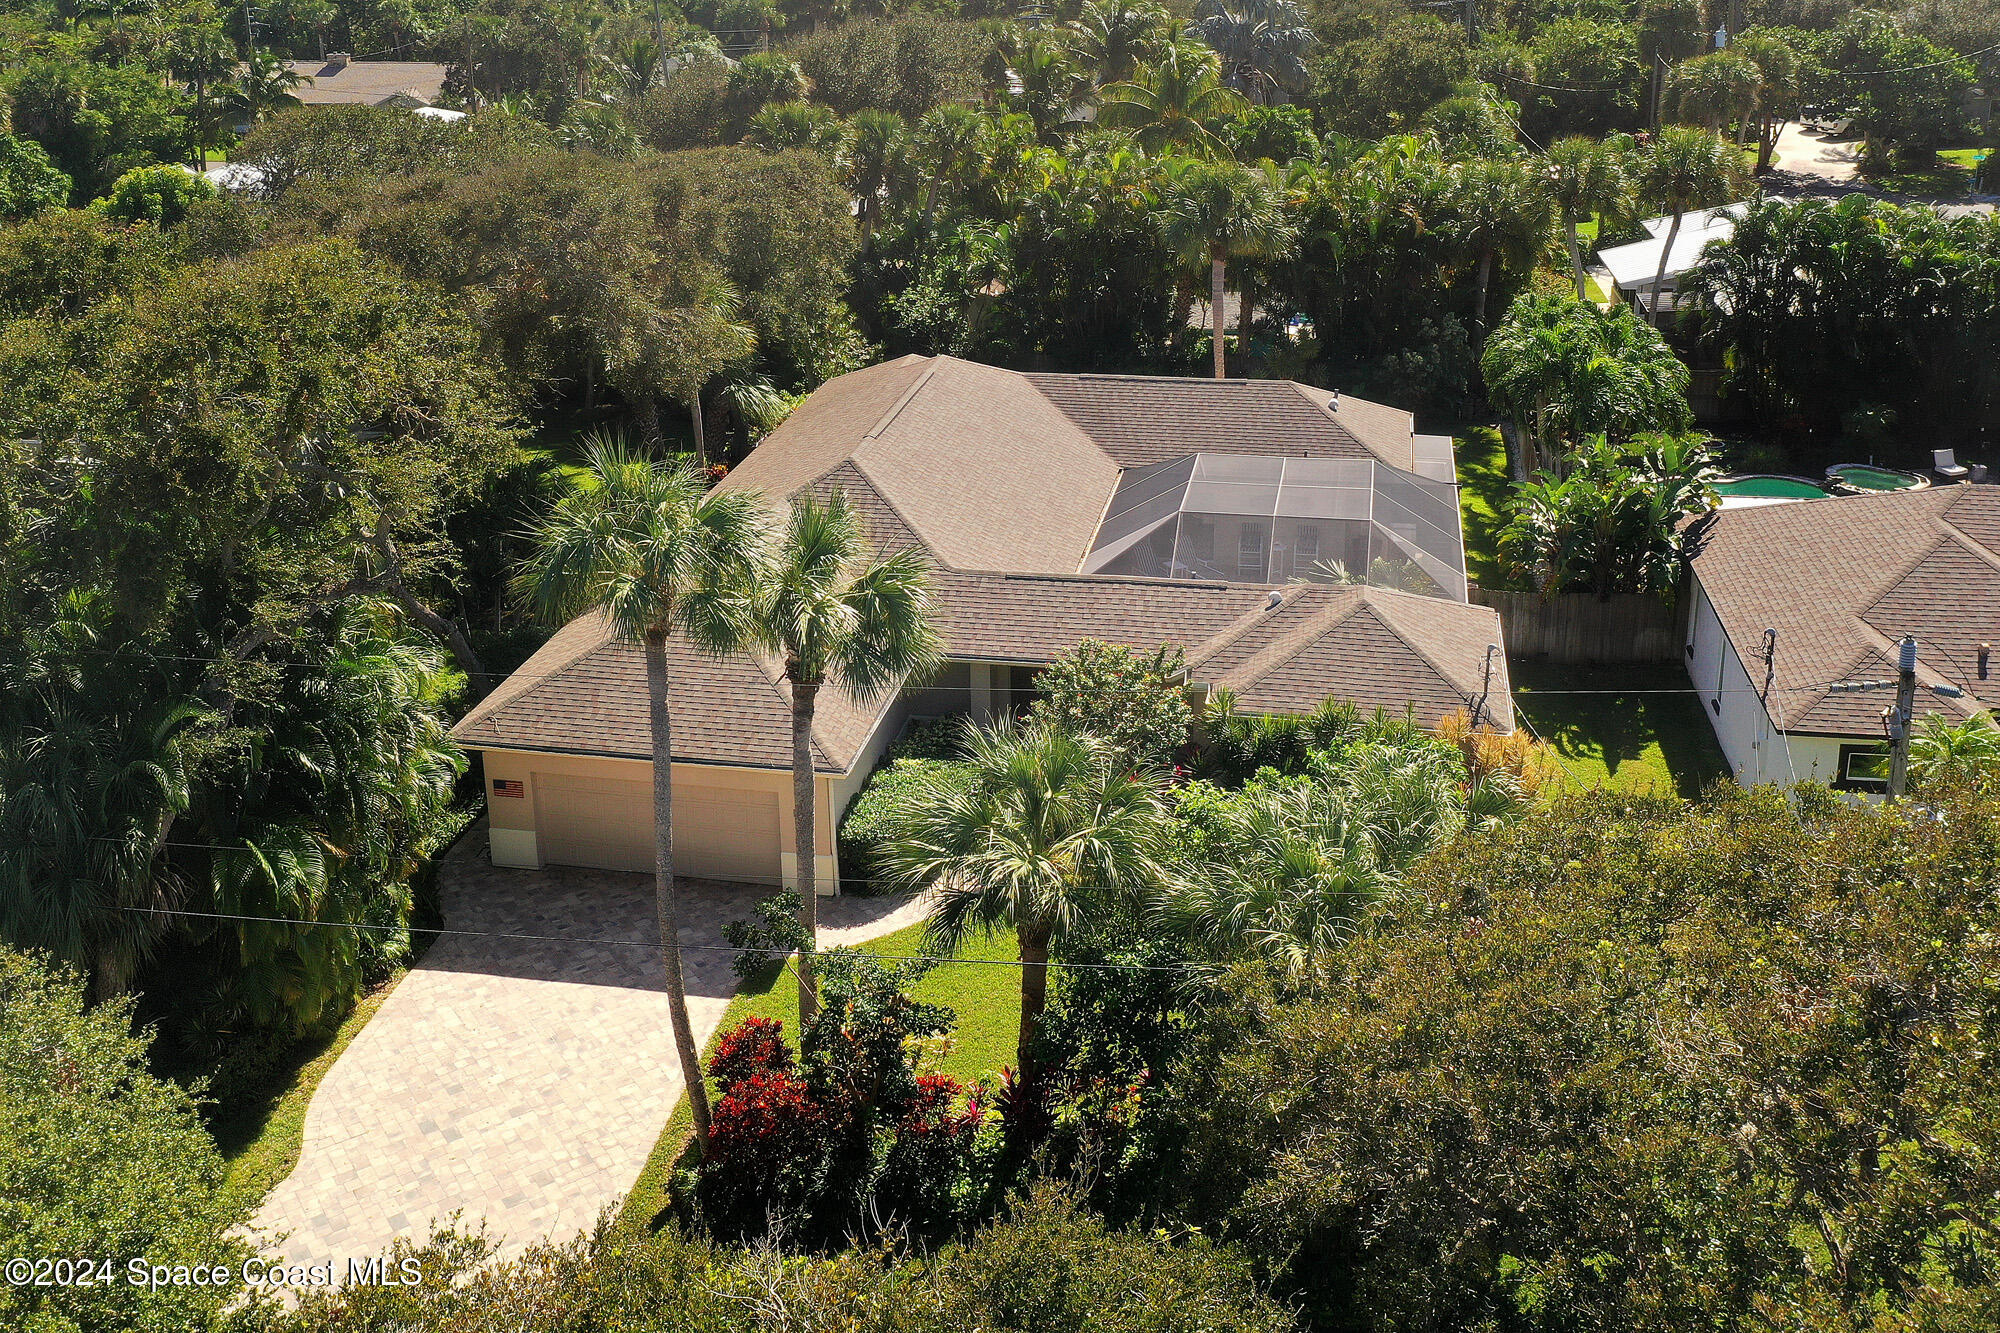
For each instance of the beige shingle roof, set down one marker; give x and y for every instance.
(1842, 580)
(987, 470)
(367, 82)
(1002, 478)
(584, 692)
(1143, 419)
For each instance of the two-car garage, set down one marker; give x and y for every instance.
(600, 815)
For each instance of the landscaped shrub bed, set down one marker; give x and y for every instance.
(865, 825)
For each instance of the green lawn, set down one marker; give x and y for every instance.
(1635, 742)
(1483, 485)
(260, 1139)
(987, 1001)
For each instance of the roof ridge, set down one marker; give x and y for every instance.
(1289, 645)
(888, 418)
(1978, 548)
(1243, 624)
(1388, 619)
(501, 696)
(875, 486)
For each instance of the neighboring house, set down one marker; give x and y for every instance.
(1840, 581)
(341, 80)
(1054, 508)
(1633, 267)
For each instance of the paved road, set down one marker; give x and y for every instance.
(523, 1081)
(1803, 152)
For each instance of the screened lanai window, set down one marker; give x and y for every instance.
(1277, 520)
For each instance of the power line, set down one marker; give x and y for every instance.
(652, 945)
(1911, 69)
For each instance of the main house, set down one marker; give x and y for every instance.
(1791, 599)
(1295, 542)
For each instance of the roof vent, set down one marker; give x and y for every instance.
(1333, 403)
(338, 60)
(1275, 600)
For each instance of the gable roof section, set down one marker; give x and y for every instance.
(1375, 646)
(1842, 580)
(1139, 420)
(982, 468)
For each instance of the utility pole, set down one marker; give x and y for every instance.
(1899, 723)
(1472, 21)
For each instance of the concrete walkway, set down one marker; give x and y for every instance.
(521, 1081)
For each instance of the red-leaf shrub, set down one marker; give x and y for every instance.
(754, 1046)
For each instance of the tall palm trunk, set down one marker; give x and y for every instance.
(1479, 300)
(1660, 273)
(1575, 257)
(805, 698)
(1246, 308)
(700, 430)
(1034, 942)
(1183, 310)
(1216, 260)
(666, 899)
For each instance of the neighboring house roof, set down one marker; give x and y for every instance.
(1001, 479)
(1841, 580)
(1634, 266)
(368, 82)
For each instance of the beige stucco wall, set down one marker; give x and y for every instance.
(513, 819)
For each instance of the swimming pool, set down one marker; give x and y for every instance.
(1865, 478)
(1770, 486)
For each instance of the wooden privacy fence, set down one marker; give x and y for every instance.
(1577, 627)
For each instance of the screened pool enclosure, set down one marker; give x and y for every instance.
(1281, 520)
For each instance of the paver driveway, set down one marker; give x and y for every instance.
(523, 1081)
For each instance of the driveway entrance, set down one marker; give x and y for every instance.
(522, 1081)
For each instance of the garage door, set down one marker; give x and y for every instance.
(719, 832)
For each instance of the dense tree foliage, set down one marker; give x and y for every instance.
(1628, 1064)
(99, 1160)
(1832, 312)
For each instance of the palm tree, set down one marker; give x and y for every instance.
(676, 342)
(1051, 831)
(1172, 101)
(1221, 211)
(1587, 177)
(1112, 37)
(1300, 870)
(638, 65)
(1687, 168)
(1565, 369)
(88, 790)
(1263, 44)
(838, 616)
(1717, 91)
(1777, 63)
(265, 84)
(1968, 749)
(648, 548)
(204, 60)
(951, 140)
(1502, 216)
(873, 151)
